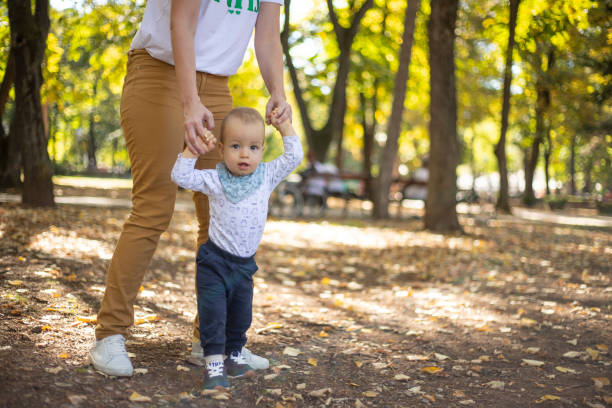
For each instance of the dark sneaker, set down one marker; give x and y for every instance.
(237, 365)
(215, 378)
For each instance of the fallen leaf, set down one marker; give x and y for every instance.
(15, 282)
(312, 361)
(459, 394)
(270, 376)
(136, 397)
(358, 364)
(273, 325)
(467, 402)
(602, 347)
(572, 354)
(432, 369)
(369, 394)
(429, 397)
(323, 334)
(54, 370)
(300, 386)
(140, 371)
(593, 353)
(496, 385)
(565, 370)
(77, 399)
(185, 395)
(533, 363)
(221, 396)
(146, 319)
(532, 350)
(547, 397)
(358, 404)
(379, 366)
(528, 322)
(484, 328)
(600, 382)
(290, 351)
(274, 391)
(401, 377)
(88, 319)
(63, 355)
(440, 357)
(320, 393)
(182, 368)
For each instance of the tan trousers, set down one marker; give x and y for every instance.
(152, 121)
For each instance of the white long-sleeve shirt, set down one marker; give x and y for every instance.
(238, 227)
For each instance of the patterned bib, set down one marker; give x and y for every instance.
(238, 187)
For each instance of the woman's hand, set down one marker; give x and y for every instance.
(198, 123)
(279, 108)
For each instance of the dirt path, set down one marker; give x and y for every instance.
(512, 314)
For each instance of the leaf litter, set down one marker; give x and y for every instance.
(402, 317)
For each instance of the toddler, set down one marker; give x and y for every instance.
(238, 191)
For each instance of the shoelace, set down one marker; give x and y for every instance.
(116, 346)
(238, 358)
(214, 369)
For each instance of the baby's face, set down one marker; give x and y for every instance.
(242, 147)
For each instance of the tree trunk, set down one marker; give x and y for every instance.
(394, 126)
(547, 154)
(572, 165)
(440, 206)
(10, 156)
(319, 140)
(369, 128)
(503, 199)
(542, 102)
(542, 105)
(28, 41)
(92, 164)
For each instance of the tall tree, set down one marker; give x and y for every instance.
(29, 28)
(503, 202)
(10, 156)
(389, 154)
(440, 206)
(320, 139)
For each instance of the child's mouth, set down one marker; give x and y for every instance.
(243, 166)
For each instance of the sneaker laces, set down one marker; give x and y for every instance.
(214, 369)
(116, 346)
(238, 358)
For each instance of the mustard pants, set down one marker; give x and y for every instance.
(152, 122)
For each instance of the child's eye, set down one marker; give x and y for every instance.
(254, 147)
(235, 146)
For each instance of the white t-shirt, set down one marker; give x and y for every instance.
(222, 33)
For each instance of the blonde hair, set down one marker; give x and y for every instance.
(245, 115)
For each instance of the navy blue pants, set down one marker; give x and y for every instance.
(225, 298)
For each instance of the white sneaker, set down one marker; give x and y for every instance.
(109, 356)
(255, 361)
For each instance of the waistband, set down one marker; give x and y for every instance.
(211, 246)
(143, 53)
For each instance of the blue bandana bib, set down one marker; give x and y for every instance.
(237, 188)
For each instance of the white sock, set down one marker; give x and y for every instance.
(214, 358)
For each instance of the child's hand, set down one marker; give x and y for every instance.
(284, 127)
(206, 145)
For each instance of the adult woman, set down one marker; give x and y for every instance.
(176, 84)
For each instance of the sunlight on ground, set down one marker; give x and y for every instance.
(324, 235)
(67, 244)
(92, 182)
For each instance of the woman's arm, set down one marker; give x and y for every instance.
(270, 59)
(183, 22)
